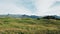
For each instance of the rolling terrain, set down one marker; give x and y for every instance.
(9, 25)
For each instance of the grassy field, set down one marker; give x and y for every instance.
(29, 26)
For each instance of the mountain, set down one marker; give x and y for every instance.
(19, 16)
(52, 17)
(28, 16)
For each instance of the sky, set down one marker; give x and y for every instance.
(30, 7)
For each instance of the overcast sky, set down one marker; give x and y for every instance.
(30, 7)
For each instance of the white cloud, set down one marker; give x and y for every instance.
(16, 10)
(8, 7)
(57, 0)
(13, 9)
(43, 7)
(54, 10)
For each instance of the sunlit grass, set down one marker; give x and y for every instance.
(28, 26)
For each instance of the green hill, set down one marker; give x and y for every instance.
(10, 25)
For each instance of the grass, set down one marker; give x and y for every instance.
(29, 26)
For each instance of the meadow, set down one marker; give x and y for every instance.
(9, 25)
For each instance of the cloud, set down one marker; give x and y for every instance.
(43, 6)
(55, 10)
(36, 7)
(57, 3)
(27, 4)
(6, 8)
(57, 0)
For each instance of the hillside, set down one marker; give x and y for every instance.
(20, 16)
(9, 25)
